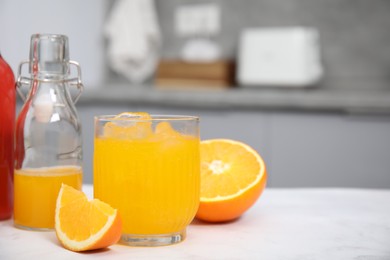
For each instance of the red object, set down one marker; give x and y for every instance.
(7, 126)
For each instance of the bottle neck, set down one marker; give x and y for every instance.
(49, 77)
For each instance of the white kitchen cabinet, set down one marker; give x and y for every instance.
(301, 149)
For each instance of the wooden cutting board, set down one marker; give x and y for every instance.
(178, 73)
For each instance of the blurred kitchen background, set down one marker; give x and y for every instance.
(304, 82)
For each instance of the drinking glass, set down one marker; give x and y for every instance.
(149, 169)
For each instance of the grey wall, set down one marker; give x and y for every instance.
(355, 34)
(81, 21)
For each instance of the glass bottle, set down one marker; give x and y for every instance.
(48, 148)
(7, 125)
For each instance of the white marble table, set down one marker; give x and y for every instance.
(284, 224)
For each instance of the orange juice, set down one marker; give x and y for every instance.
(36, 191)
(152, 179)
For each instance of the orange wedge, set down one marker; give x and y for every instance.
(233, 176)
(81, 224)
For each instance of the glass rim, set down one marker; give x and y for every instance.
(49, 35)
(154, 117)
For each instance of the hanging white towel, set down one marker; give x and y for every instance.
(134, 39)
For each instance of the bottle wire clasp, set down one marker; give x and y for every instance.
(73, 81)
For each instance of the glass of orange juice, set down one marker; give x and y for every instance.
(148, 167)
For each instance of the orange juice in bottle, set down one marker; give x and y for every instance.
(37, 193)
(150, 173)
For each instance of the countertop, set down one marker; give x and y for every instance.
(360, 101)
(297, 224)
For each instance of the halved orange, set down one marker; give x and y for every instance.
(81, 224)
(233, 176)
